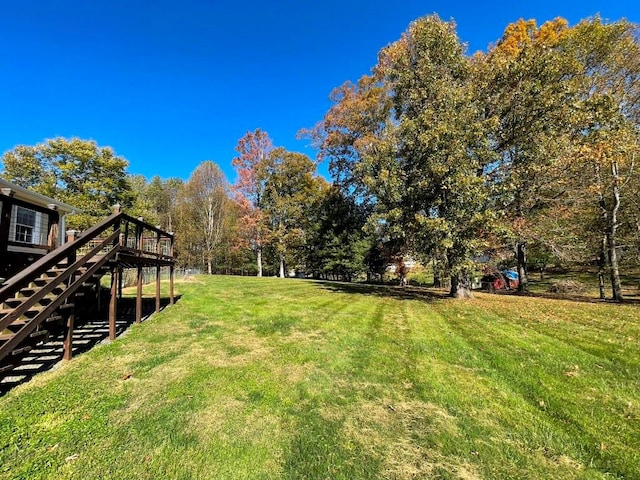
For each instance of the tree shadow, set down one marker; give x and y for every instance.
(430, 296)
(389, 291)
(572, 297)
(92, 329)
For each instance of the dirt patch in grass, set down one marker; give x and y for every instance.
(231, 420)
(241, 349)
(406, 436)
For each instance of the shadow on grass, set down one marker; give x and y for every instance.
(402, 293)
(571, 297)
(89, 331)
(430, 296)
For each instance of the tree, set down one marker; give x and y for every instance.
(290, 188)
(337, 245)
(75, 171)
(607, 125)
(142, 205)
(523, 80)
(203, 210)
(412, 141)
(254, 148)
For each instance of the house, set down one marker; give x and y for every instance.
(31, 225)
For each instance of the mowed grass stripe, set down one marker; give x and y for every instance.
(265, 378)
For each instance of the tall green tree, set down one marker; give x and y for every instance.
(290, 188)
(523, 81)
(411, 138)
(75, 171)
(337, 245)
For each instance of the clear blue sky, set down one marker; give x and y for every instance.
(170, 83)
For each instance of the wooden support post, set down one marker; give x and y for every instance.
(67, 350)
(98, 295)
(68, 340)
(158, 251)
(113, 304)
(171, 273)
(139, 296)
(157, 288)
(171, 295)
(5, 220)
(54, 227)
(120, 270)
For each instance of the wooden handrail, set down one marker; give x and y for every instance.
(23, 278)
(68, 272)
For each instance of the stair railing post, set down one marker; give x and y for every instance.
(139, 232)
(67, 348)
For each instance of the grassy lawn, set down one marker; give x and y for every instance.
(249, 378)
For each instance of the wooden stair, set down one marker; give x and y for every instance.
(40, 298)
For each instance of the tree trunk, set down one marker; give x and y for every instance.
(602, 265)
(614, 270)
(209, 267)
(259, 261)
(460, 286)
(611, 235)
(521, 255)
(281, 266)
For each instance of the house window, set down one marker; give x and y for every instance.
(25, 225)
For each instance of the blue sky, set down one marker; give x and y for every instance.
(171, 83)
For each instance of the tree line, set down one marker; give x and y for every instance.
(525, 152)
(530, 146)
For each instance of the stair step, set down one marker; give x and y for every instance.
(6, 336)
(31, 290)
(20, 351)
(17, 324)
(52, 273)
(6, 368)
(39, 334)
(54, 318)
(13, 302)
(32, 312)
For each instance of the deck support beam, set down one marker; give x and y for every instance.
(171, 295)
(158, 251)
(113, 303)
(68, 339)
(139, 296)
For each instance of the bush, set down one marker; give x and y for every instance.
(567, 286)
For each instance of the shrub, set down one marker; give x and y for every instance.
(567, 286)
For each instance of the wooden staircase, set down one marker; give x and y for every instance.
(41, 300)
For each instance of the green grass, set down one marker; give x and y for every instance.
(249, 378)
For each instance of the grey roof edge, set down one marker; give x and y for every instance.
(29, 195)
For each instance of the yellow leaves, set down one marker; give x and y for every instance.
(517, 36)
(551, 32)
(525, 33)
